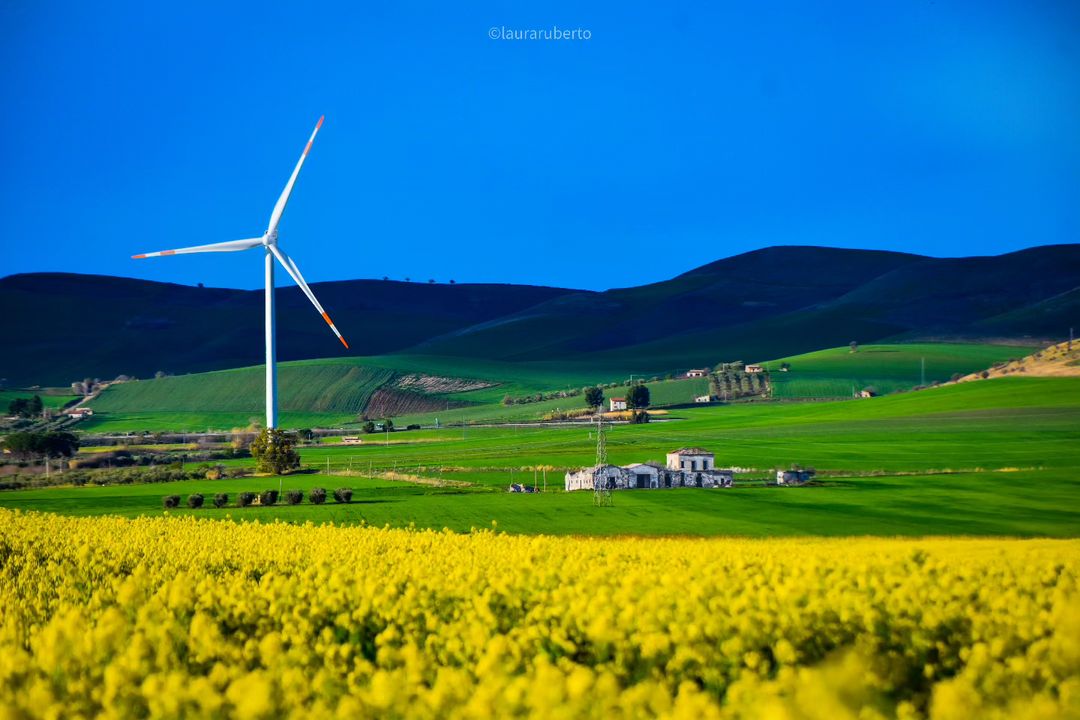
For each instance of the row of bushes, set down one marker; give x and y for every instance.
(317, 496)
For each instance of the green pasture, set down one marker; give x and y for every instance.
(50, 397)
(1017, 504)
(991, 457)
(837, 372)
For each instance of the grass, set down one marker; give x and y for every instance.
(1015, 504)
(833, 373)
(334, 392)
(986, 458)
(50, 397)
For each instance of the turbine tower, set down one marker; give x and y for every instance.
(269, 243)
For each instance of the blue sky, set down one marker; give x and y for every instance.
(675, 135)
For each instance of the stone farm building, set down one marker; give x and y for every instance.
(688, 467)
(618, 404)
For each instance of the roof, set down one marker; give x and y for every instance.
(691, 451)
(618, 399)
(640, 465)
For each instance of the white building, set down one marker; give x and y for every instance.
(617, 404)
(703, 399)
(697, 372)
(651, 476)
(692, 459)
(753, 369)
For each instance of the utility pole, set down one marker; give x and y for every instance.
(601, 492)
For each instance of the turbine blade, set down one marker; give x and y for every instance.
(279, 208)
(230, 246)
(294, 272)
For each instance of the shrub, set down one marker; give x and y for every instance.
(170, 501)
(412, 427)
(268, 497)
(274, 453)
(195, 500)
(245, 499)
(343, 495)
(294, 497)
(221, 500)
(317, 496)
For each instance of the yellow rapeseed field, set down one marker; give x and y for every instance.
(177, 617)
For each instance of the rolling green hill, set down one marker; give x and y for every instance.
(421, 389)
(835, 372)
(769, 303)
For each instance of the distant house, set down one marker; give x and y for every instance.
(753, 369)
(618, 404)
(866, 393)
(691, 458)
(80, 412)
(352, 440)
(794, 477)
(703, 399)
(696, 373)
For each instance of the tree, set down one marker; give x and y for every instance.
(306, 434)
(35, 406)
(274, 453)
(33, 445)
(854, 346)
(452, 281)
(594, 397)
(369, 427)
(637, 397)
(388, 425)
(431, 281)
(785, 366)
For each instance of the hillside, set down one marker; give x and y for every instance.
(768, 303)
(97, 326)
(838, 372)
(421, 389)
(1061, 360)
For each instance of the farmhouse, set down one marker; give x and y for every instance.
(352, 440)
(646, 476)
(618, 404)
(80, 412)
(697, 372)
(753, 369)
(703, 399)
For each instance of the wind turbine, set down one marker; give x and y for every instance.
(269, 242)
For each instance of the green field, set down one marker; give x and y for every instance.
(993, 457)
(50, 397)
(837, 372)
(334, 392)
